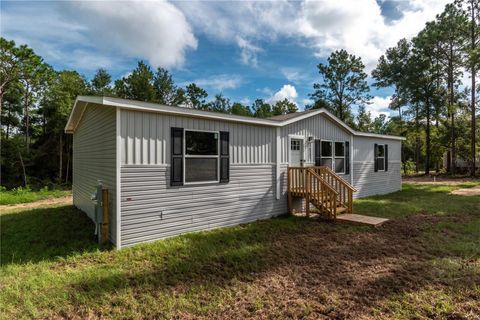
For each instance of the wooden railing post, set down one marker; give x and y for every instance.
(307, 192)
(289, 189)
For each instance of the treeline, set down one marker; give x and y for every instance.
(434, 112)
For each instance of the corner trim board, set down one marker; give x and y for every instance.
(118, 193)
(278, 160)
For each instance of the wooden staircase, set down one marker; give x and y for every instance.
(323, 188)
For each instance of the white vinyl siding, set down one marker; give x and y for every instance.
(94, 158)
(145, 138)
(151, 209)
(365, 179)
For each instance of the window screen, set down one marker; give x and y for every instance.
(201, 169)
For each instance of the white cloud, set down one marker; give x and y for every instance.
(359, 27)
(379, 105)
(219, 82)
(293, 74)
(286, 92)
(355, 25)
(249, 52)
(102, 33)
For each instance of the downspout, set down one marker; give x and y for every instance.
(117, 189)
(278, 160)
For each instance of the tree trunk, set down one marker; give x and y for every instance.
(27, 122)
(417, 142)
(23, 168)
(452, 114)
(67, 172)
(473, 124)
(427, 133)
(60, 162)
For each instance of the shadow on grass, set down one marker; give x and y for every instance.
(362, 267)
(45, 234)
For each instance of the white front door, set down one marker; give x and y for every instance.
(296, 152)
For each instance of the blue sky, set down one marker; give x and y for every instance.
(244, 49)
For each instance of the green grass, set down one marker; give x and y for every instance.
(415, 199)
(25, 195)
(52, 267)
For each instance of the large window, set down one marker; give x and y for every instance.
(327, 153)
(201, 156)
(381, 157)
(339, 157)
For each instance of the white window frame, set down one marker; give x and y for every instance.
(185, 156)
(321, 149)
(378, 157)
(335, 157)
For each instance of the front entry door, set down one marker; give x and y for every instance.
(296, 152)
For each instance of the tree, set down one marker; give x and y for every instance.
(138, 85)
(220, 104)
(283, 107)
(240, 110)
(471, 10)
(57, 105)
(380, 124)
(364, 120)
(451, 40)
(166, 90)
(261, 109)
(319, 103)
(101, 83)
(17, 64)
(343, 84)
(195, 97)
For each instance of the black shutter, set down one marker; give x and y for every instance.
(375, 157)
(176, 165)
(347, 157)
(386, 157)
(224, 157)
(318, 152)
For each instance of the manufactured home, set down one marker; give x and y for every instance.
(171, 170)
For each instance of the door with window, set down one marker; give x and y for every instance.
(296, 152)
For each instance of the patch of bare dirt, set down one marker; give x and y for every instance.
(67, 200)
(330, 275)
(445, 180)
(469, 192)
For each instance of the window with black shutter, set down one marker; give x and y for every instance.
(386, 157)
(380, 153)
(347, 157)
(176, 167)
(318, 152)
(224, 156)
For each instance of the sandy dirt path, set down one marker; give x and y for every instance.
(37, 204)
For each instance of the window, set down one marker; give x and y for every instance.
(381, 157)
(327, 159)
(201, 156)
(295, 145)
(339, 157)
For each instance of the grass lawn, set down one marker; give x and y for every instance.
(423, 264)
(24, 195)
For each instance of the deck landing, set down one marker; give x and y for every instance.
(358, 218)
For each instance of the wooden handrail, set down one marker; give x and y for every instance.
(319, 185)
(321, 193)
(344, 188)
